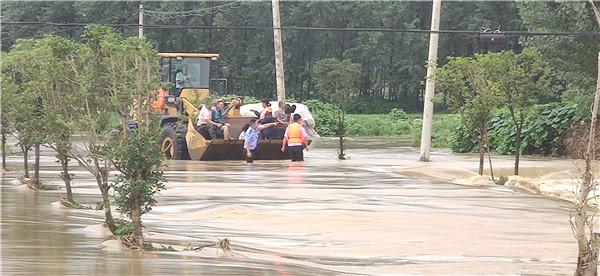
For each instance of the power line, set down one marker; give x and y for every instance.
(300, 28)
(195, 12)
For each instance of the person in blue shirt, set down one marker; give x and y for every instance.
(251, 138)
(218, 117)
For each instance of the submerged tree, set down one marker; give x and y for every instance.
(336, 81)
(135, 153)
(23, 110)
(520, 80)
(139, 161)
(62, 101)
(465, 86)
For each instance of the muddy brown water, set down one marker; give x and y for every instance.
(323, 217)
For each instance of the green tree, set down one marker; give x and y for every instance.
(521, 81)
(126, 74)
(465, 85)
(571, 56)
(25, 83)
(139, 161)
(336, 80)
(61, 101)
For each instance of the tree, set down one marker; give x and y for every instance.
(521, 81)
(336, 80)
(136, 155)
(568, 55)
(117, 78)
(91, 75)
(582, 223)
(139, 161)
(464, 84)
(61, 101)
(24, 108)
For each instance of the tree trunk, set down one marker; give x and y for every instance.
(341, 131)
(136, 219)
(36, 167)
(518, 143)
(25, 151)
(587, 259)
(481, 150)
(489, 152)
(102, 180)
(4, 151)
(64, 163)
(341, 155)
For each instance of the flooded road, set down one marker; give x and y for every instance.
(322, 217)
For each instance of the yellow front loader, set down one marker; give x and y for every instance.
(189, 74)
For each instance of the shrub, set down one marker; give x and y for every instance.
(543, 131)
(397, 114)
(370, 105)
(325, 116)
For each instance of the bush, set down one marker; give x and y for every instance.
(370, 105)
(325, 115)
(397, 114)
(442, 132)
(123, 228)
(543, 131)
(461, 141)
(395, 123)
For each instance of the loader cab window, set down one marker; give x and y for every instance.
(189, 72)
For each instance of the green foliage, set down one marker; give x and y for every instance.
(335, 80)
(501, 180)
(542, 133)
(392, 63)
(462, 140)
(574, 58)
(139, 161)
(370, 105)
(442, 130)
(465, 85)
(396, 123)
(397, 114)
(123, 228)
(325, 116)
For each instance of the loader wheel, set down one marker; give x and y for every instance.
(172, 142)
(181, 149)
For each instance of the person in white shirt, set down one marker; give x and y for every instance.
(205, 122)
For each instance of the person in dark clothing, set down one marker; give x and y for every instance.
(218, 116)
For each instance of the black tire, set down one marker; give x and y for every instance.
(172, 142)
(181, 149)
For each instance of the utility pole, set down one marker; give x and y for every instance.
(430, 82)
(278, 52)
(141, 20)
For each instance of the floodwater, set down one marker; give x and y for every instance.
(322, 217)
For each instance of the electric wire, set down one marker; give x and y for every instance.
(301, 28)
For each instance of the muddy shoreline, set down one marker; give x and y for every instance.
(546, 176)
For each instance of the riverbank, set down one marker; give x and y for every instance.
(551, 177)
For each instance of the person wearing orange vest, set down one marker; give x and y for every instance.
(159, 103)
(295, 139)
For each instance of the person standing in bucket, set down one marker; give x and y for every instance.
(295, 139)
(251, 138)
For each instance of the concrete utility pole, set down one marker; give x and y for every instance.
(430, 82)
(278, 52)
(141, 20)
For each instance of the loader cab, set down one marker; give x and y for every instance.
(186, 71)
(189, 76)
